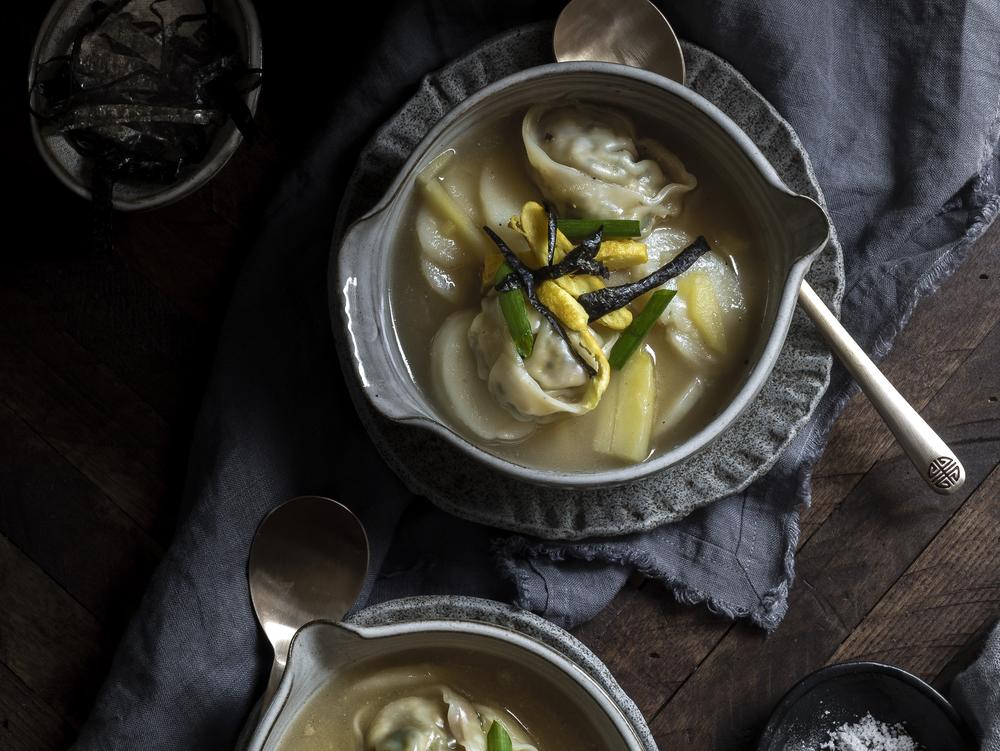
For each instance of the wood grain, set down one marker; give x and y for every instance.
(651, 643)
(75, 534)
(48, 641)
(26, 722)
(37, 330)
(943, 599)
(93, 438)
(940, 335)
(842, 573)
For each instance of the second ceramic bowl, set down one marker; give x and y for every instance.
(323, 651)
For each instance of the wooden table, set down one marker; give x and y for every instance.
(102, 363)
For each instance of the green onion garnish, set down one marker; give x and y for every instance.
(515, 313)
(577, 229)
(632, 336)
(497, 739)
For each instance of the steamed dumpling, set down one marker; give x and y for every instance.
(547, 383)
(708, 314)
(412, 723)
(444, 722)
(470, 723)
(458, 383)
(588, 163)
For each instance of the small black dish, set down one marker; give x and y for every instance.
(844, 693)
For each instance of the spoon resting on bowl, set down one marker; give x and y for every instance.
(636, 33)
(308, 561)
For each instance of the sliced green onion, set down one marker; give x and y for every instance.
(498, 739)
(515, 313)
(577, 229)
(632, 336)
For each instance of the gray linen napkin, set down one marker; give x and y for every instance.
(976, 693)
(898, 107)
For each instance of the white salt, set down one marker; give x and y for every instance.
(868, 734)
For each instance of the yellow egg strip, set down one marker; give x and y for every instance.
(533, 224)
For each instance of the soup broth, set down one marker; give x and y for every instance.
(379, 702)
(700, 347)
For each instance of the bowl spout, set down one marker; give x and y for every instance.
(806, 225)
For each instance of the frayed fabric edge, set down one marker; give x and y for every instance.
(773, 604)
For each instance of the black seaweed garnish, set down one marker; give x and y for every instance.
(523, 278)
(144, 88)
(600, 302)
(581, 260)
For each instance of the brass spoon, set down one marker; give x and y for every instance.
(308, 561)
(635, 33)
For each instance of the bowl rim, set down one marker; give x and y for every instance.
(857, 667)
(759, 369)
(204, 172)
(508, 636)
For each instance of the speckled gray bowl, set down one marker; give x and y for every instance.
(440, 469)
(320, 649)
(55, 37)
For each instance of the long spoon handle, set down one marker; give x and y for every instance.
(937, 463)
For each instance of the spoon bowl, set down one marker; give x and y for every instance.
(308, 562)
(634, 33)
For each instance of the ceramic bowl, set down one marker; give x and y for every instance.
(844, 693)
(323, 650)
(54, 39)
(793, 229)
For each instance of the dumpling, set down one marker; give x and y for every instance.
(412, 723)
(588, 163)
(455, 374)
(464, 722)
(549, 382)
(439, 723)
(469, 723)
(708, 314)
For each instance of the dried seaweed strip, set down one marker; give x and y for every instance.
(526, 281)
(602, 301)
(580, 260)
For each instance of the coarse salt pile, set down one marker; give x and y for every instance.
(868, 734)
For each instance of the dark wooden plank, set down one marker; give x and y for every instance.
(48, 640)
(27, 723)
(944, 329)
(946, 596)
(843, 571)
(93, 438)
(31, 323)
(110, 309)
(64, 523)
(652, 643)
(827, 493)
